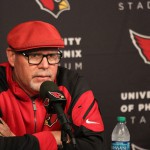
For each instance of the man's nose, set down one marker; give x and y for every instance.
(44, 63)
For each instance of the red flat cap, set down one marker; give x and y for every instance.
(34, 34)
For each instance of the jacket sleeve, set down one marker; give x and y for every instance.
(28, 142)
(86, 118)
(88, 128)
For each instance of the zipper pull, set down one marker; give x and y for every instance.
(34, 105)
(34, 109)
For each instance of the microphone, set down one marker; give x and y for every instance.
(52, 96)
(55, 101)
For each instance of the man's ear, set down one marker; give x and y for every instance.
(10, 56)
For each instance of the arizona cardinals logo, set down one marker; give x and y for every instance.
(142, 43)
(54, 7)
(57, 95)
(135, 147)
(50, 121)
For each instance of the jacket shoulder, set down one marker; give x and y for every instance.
(72, 80)
(66, 75)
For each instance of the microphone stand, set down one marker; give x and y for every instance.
(66, 128)
(64, 139)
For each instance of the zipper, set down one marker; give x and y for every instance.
(34, 109)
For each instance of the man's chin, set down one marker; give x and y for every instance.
(35, 85)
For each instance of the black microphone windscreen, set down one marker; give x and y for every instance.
(47, 86)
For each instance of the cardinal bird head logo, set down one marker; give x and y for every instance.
(142, 44)
(57, 95)
(54, 7)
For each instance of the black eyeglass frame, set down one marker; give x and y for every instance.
(27, 55)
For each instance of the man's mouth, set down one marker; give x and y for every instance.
(42, 78)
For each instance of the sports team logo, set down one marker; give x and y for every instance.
(49, 120)
(57, 95)
(54, 7)
(142, 44)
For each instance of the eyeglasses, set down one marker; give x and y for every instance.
(36, 58)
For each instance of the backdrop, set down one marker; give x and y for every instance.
(108, 41)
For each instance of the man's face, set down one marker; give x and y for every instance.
(31, 76)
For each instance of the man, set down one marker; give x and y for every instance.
(33, 58)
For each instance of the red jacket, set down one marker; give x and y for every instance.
(26, 115)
